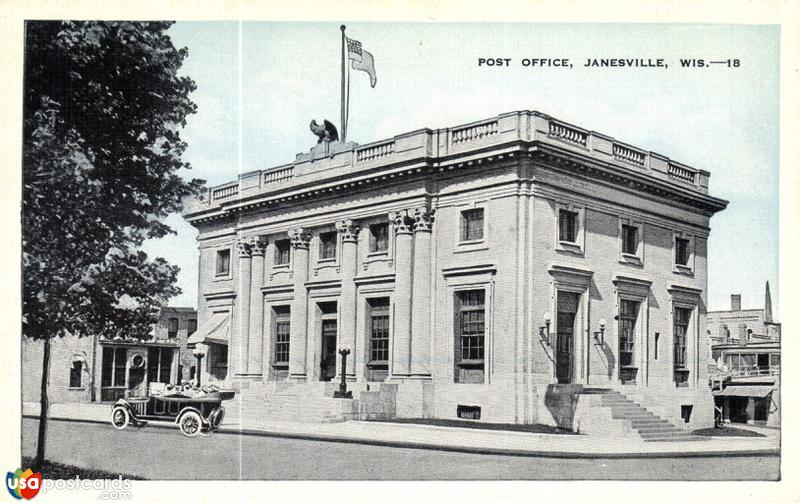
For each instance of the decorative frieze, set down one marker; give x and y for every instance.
(299, 238)
(348, 230)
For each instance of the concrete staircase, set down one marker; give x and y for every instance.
(296, 402)
(637, 419)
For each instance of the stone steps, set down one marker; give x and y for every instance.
(647, 426)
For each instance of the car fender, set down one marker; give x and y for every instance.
(187, 409)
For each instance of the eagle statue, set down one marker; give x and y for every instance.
(324, 132)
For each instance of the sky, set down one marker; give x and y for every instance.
(259, 84)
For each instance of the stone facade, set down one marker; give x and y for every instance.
(76, 363)
(450, 248)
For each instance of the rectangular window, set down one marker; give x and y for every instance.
(223, 262)
(282, 247)
(75, 375)
(379, 330)
(472, 225)
(159, 364)
(630, 239)
(682, 251)
(628, 312)
(192, 328)
(172, 330)
(378, 238)
(681, 328)
(120, 358)
(567, 226)
(327, 246)
(282, 334)
(472, 325)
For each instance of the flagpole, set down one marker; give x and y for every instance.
(343, 104)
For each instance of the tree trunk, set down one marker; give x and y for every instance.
(45, 405)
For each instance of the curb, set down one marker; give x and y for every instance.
(491, 451)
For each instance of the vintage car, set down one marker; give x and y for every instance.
(194, 410)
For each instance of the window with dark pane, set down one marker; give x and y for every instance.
(680, 329)
(472, 225)
(192, 326)
(630, 239)
(120, 357)
(172, 328)
(223, 262)
(75, 375)
(281, 335)
(472, 325)
(165, 364)
(379, 330)
(282, 248)
(327, 245)
(378, 238)
(681, 251)
(628, 312)
(567, 226)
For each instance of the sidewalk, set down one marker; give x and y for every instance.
(455, 439)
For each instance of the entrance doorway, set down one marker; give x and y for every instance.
(567, 309)
(328, 354)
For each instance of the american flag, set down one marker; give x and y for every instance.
(361, 59)
(354, 46)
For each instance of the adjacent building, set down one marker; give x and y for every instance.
(92, 368)
(494, 270)
(745, 363)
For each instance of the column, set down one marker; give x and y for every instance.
(298, 323)
(346, 338)
(421, 299)
(255, 347)
(241, 336)
(402, 294)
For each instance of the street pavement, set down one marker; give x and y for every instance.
(164, 454)
(477, 441)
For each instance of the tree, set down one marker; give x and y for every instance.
(103, 107)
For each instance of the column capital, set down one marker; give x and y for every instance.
(348, 229)
(299, 237)
(258, 245)
(244, 247)
(400, 222)
(423, 219)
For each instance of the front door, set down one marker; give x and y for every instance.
(565, 335)
(328, 356)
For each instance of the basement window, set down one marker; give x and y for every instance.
(468, 412)
(686, 413)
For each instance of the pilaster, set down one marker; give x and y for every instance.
(348, 230)
(401, 353)
(421, 298)
(241, 333)
(255, 347)
(298, 328)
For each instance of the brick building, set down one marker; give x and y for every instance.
(88, 369)
(509, 269)
(745, 364)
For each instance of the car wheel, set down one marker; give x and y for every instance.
(190, 423)
(216, 417)
(120, 418)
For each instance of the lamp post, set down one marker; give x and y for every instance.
(343, 393)
(199, 352)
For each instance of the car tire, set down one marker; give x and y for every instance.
(120, 418)
(190, 423)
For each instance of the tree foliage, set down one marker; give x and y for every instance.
(103, 109)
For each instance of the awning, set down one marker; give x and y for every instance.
(217, 330)
(749, 391)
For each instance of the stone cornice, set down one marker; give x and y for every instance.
(427, 153)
